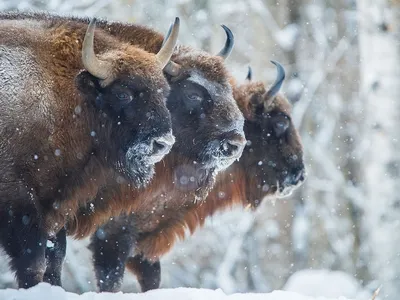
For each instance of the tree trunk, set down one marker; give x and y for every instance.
(380, 81)
(325, 233)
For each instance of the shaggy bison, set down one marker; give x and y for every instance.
(77, 104)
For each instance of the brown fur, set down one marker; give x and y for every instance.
(143, 37)
(159, 197)
(157, 243)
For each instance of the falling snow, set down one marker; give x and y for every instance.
(346, 215)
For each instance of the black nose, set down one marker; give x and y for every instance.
(233, 147)
(301, 176)
(160, 146)
(296, 176)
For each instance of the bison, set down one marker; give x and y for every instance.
(78, 107)
(271, 165)
(211, 137)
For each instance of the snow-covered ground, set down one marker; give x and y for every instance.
(78, 277)
(303, 285)
(327, 283)
(45, 291)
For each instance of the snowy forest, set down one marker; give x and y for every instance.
(336, 234)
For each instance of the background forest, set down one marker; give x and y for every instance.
(342, 59)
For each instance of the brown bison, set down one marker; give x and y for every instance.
(77, 104)
(271, 165)
(211, 137)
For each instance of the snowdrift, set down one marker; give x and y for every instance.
(45, 291)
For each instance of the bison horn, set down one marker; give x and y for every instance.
(230, 41)
(172, 68)
(249, 74)
(278, 81)
(96, 67)
(167, 48)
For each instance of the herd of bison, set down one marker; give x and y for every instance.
(113, 130)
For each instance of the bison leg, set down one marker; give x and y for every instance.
(111, 245)
(24, 241)
(55, 254)
(148, 273)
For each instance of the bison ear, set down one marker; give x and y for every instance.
(87, 84)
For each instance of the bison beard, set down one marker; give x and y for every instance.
(68, 118)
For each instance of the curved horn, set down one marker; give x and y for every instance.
(96, 67)
(167, 35)
(230, 41)
(278, 81)
(172, 68)
(249, 74)
(165, 53)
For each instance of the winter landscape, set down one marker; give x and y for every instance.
(335, 237)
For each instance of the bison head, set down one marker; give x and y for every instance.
(128, 89)
(205, 116)
(273, 157)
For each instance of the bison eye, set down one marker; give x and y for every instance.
(195, 97)
(122, 93)
(281, 125)
(125, 97)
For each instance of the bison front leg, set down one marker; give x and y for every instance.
(55, 255)
(148, 273)
(111, 246)
(24, 240)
